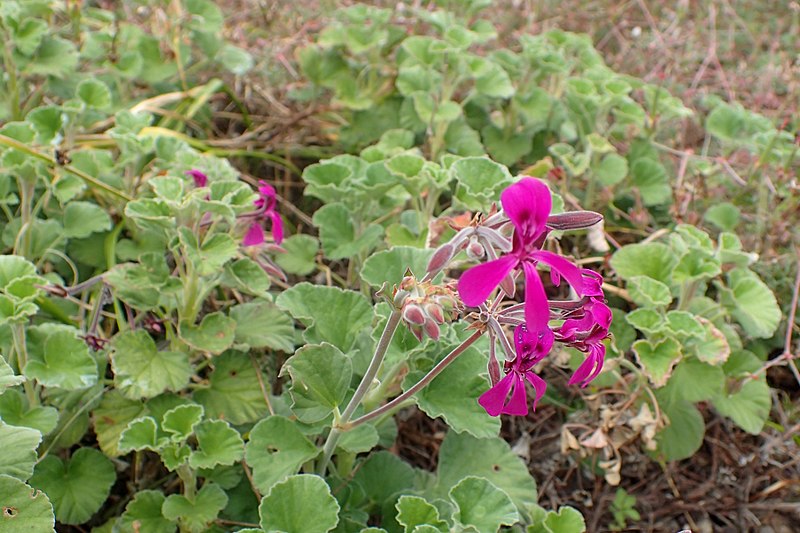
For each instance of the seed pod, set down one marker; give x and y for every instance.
(573, 220)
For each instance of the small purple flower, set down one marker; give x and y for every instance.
(266, 204)
(527, 203)
(508, 395)
(200, 179)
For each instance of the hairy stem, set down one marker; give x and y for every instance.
(363, 387)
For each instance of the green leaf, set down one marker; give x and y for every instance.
(143, 513)
(753, 304)
(566, 520)
(81, 219)
(260, 324)
(64, 362)
(276, 449)
(299, 258)
(684, 325)
(748, 407)
(454, 394)
(657, 360)
(78, 488)
(482, 505)
(94, 93)
(383, 476)
(649, 178)
(140, 434)
(390, 266)
(479, 181)
(712, 348)
(247, 276)
(54, 57)
(413, 511)
(27, 35)
(694, 381)
(140, 370)
(12, 268)
(646, 320)
(693, 268)
(195, 516)
(111, 418)
(19, 450)
(726, 122)
(209, 257)
(611, 170)
(360, 439)
(724, 216)
(647, 292)
(234, 391)
(684, 434)
(24, 508)
(320, 379)
(15, 411)
(235, 59)
(300, 504)
(338, 234)
(330, 314)
(180, 421)
(463, 455)
(653, 259)
(214, 334)
(8, 378)
(217, 444)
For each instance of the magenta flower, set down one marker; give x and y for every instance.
(266, 205)
(200, 179)
(508, 395)
(527, 203)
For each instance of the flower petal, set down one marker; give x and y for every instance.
(518, 403)
(527, 203)
(277, 226)
(493, 399)
(477, 283)
(537, 310)
(563, 267)
(539, 386)
(254, 235)
(200, 179)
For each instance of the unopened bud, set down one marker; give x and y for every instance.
(440, 257)
(435, 312)
(494, 370)
(573, 220)
(432, 329)
(417, 331)
(413, 314)
(508, 286)
(475, 249)
(400, 296)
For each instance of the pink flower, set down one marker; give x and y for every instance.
(200, 179)
(527, 203)
(266, 205)
(508, 395)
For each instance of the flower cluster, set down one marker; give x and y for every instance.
(425, 306)
(586, 320)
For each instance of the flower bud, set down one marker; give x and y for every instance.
(432, 329)
(440, 258)
(573, 220)
(413, 314)
(400, 296)
(435, 312)
(475, 249)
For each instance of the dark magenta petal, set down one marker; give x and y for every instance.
(518, 403)
(583, 371)
(200, 179)
(493, 399)
(539, 386)
(537, 310)
(563, 267)
(477, 283)
(254, 235)
(277, 226)
(527, 203)
(524, 342)
(591, 366)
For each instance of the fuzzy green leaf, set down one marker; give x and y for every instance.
(140, 370)
(276, 449)
(300, 504)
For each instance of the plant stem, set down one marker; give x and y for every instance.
(21, 349)
(13, 86)
(189, 481)
(435, 371)
(363, 387)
